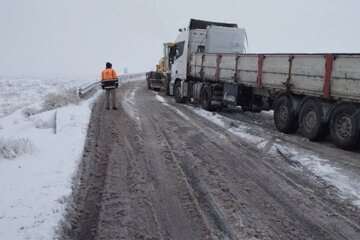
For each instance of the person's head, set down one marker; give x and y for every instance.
(108, 65)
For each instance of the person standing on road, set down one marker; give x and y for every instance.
(109, 82)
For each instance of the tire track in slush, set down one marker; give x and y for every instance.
(223, 160)
(136, 216)
(213, 149)
(148, 173)
(178, 210)
(206, 204)
(209, 208)
(83, 209)
(111, 201)
(156, 210)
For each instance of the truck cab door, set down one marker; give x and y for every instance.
(178, 68)
(180, 61)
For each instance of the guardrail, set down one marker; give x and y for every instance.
(136, 76)
(87, 88)
(83, 90)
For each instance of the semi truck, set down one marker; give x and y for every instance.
(315, 94)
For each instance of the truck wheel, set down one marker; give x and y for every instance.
(177, 93)
(206, 96)
(344, 127)
(311, 123)
(167, 87)
(284, 116)
(148, 84)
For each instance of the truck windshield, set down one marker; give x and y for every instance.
(179, 49)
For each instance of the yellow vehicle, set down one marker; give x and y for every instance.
(160, 78)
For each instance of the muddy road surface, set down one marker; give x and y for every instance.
(157, 170)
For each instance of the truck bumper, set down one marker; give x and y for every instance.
(156, 84)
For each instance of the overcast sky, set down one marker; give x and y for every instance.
(77, 37)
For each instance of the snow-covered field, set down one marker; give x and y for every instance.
(43, 127)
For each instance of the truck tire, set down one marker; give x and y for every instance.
(311, 121)
(344, 127)
(167, 84)
(205, 97)
(148, 84)
(167, 87)
(177, 93)
(284, 115)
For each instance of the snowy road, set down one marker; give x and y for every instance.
(158, 170)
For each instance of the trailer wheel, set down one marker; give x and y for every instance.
(284, 115)
(177, 93)
(311, 124)
(206, 96)
(344, 127)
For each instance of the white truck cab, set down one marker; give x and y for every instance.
(202, 36)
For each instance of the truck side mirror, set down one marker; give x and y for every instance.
(172, 54)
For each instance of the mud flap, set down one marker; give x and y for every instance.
(231, 93)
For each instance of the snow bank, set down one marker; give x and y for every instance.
(349, 188)
(240, 130)
(160, 98)
(43, 150)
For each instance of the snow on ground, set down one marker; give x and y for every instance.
(177, 111)
(39, 152)
(160, 98)
(43, 127)
(348, 188)
(18, 92)
(128, 105)
(242, 130)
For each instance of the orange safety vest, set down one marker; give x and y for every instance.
(108, 74)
